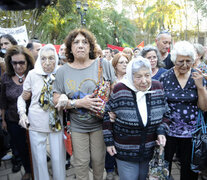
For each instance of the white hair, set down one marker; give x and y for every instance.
(139, 63)
(183, 48)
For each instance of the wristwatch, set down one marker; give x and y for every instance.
(72, 103)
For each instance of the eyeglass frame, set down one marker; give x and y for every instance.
(21, 63)
(183, 62)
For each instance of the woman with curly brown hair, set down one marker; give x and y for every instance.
(73, 89)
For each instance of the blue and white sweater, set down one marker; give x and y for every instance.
(132, 140)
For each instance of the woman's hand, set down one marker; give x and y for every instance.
(161, 140)
(4, 125)
(26, 95)
(89, 102)
(24, 122)
(198, 78)
(112, 116)
(62, 102)
(111, 150)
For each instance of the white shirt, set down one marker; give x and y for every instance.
(38, 118)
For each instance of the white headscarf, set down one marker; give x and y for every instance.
(38, 66)
(140, 95)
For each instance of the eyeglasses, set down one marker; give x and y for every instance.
(181, 63)
(21, 63)
(44, 58)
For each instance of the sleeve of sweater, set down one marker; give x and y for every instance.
(21, 105)
(107, 124)
(161, 129)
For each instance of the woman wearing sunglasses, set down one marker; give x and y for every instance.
(18, 63)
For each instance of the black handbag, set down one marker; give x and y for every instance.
(199, 145)
(158, 166)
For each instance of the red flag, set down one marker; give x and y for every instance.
(115, 47)
(141, 45)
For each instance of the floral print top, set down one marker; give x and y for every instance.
(181, 119)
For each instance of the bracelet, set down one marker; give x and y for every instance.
(72, 103)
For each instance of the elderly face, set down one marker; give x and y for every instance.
(80, 47)
(163, 43)
(142, 79)
(183, 64)
(19, 63)
(48, 60)
(121, 65)
(152, 57)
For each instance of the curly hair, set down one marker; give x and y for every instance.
(88, 35)
(14, 50)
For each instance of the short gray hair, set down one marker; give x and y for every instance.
(139, 63)
(199, 49)
(149, 48)
(167, 32)
(183, 48)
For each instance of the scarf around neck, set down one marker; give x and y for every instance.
(140, 95)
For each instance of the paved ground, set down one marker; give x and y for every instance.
(6, 172)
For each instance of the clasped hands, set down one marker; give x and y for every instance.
(88, 102)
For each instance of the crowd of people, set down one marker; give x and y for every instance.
(155, 96)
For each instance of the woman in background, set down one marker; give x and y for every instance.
(152, 54)
(129, 52)
(19, 62)
(119, 62)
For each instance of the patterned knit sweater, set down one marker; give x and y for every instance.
(132, 140)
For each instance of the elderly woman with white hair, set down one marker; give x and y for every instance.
(43, 121)
(139, 104)
(185, 91)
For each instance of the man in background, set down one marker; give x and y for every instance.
(108, 54)
(163, 42)
(61, 54)
(34, 46)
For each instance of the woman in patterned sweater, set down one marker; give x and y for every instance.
(139, 104)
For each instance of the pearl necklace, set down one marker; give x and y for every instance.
(20, 78)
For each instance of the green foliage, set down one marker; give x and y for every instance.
(201, 5)
(53, 23)
(161, 15)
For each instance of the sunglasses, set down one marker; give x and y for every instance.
(18, 62)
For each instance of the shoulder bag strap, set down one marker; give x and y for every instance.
(100, 70)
